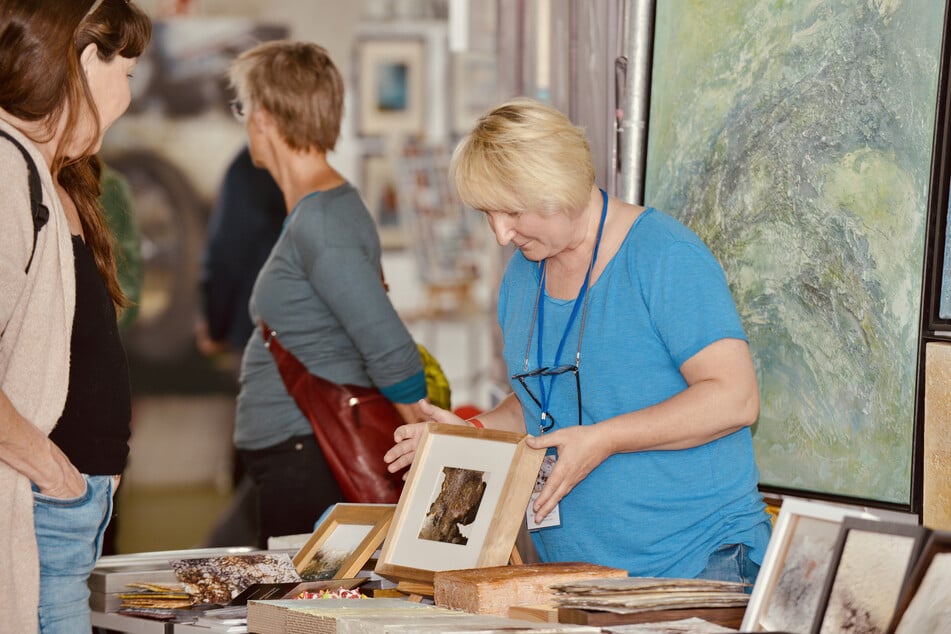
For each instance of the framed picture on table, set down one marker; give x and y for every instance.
(924, 605)
(789, 587)
(463, 503)
(870, 566)
(344, 541)
(390, 83)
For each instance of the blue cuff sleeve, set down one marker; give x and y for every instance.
(408, 390)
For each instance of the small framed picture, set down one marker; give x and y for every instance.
(463, 502)
(344, 542)
(379, 190)
(790, 582)
(871, 563)
(924, 605)
(390, 80)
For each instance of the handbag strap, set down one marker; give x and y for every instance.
(40, 212)
(282, 355)
(292, 369)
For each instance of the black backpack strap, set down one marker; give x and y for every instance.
(41, 214)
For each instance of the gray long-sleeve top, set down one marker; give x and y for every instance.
(320, 289)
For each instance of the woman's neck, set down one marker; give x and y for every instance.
(300, 174)
(38, 132)
(566, 270)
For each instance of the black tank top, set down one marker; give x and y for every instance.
(94, 430)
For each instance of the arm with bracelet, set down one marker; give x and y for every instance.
(507, 415)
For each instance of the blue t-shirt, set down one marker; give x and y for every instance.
(662, 298)
(321, 291)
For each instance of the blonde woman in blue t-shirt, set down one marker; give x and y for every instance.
(628, 360)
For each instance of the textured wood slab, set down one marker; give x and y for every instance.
(494, 590)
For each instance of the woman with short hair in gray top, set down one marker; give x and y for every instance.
(320, 289)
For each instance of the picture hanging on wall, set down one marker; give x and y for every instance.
(474, 88)
(379, 191)
(944, 293)
(796, 140)
(939, 245)
(444, 232)
(390, 85)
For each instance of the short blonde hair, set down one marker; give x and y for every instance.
(298, 85)
(523, 155)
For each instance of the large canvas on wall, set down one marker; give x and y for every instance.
(796, 139)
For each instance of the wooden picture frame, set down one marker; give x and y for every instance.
(390, 80)
(463, 503)
(792, 575)
(924, 605)
(871, 564)
(344, 542)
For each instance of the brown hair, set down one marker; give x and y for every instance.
(42, 80)
(298, 85)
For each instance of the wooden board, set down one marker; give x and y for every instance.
(496, 589)
(727, 617)
(538, 613)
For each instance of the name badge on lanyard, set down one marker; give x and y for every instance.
(553, 518)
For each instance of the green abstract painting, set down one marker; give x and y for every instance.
(796, 139)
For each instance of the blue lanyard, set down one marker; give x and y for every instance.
(581, 300)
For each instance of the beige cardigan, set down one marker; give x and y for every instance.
(36, 318)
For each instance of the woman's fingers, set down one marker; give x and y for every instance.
(406, 439)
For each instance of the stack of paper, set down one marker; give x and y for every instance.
(642, 594)
(155, 595)
(271, 617)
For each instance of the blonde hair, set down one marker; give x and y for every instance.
(523, 155)
(298, 85)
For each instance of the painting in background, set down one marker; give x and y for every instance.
(389, 80)
(795, 139)
(380, 195)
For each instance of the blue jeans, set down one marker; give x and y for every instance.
(731, 562)
(69, 538)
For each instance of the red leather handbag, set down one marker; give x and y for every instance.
(353, 425)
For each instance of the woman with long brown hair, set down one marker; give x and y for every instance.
(64, 383)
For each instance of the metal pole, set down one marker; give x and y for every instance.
(634, 103)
